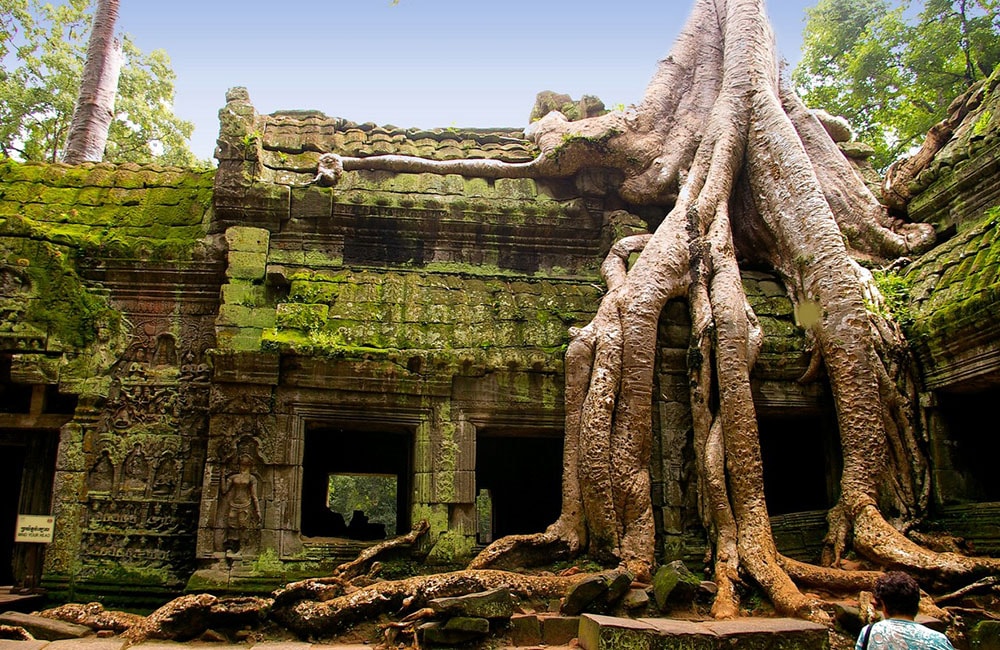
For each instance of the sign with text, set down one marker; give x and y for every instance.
(35, 528)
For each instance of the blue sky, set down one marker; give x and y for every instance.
(421, 63)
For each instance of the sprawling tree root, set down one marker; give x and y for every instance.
(749, 175)
(370, 555)
(319, 618)
(94, 616)
(189, 616)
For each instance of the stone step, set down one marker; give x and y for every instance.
(612, 633)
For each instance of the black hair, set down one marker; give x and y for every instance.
(898, 593)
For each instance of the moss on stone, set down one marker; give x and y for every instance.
(451, 547)
(58, 303)
(127, 211)
(436, 516)
(126, 575)
(304, 317)
(268, 563)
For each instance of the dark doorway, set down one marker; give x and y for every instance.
(11, 470)
(972, 445)
(357, 460)
(27, 469)
(523, 477)
(801, 463)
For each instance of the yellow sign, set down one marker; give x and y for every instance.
(35, 528)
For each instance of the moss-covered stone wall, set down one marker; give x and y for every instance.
(949, 301)
(960, 184)
(109, 290)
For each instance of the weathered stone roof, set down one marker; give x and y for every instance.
(52, 214)
(960, 184)
(955, 288)
(962, 271)
(292, 141)
(955, 304)
(123, 210)
(302, 131)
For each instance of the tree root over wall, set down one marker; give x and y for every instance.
(751, 176)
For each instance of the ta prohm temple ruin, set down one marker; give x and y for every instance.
(194, 363)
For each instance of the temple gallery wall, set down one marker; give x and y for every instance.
(228, 379)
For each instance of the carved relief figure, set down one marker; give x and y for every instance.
(165, 353)
(242, 507)
(167, 475)
(137, 369)
(135, 470)
(101, 476)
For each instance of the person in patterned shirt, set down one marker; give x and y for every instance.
(898, 596)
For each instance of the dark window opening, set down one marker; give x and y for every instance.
(14, 398)
(973, 448)
(801, 463)
(522, 477)
(349, 478)
(56, 402)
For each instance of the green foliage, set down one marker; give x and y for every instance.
(374, 494)
(892, 67)
(895, 290)
(982, 124)
(251, 138)
(42, 50)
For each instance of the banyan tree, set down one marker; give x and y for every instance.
(748, 175)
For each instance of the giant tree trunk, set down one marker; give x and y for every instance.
(747, 174)
(95, 105)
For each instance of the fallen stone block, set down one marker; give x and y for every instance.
(675, 583)
(45, 629)
(583, 594)
(618, 587)
(437, 632)
(495, 603)
(770, 634)
(525, 629)
(611, 633)
(671, 634)
(559, 630)
(635, 599)
(469, 624)
(985, 635)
